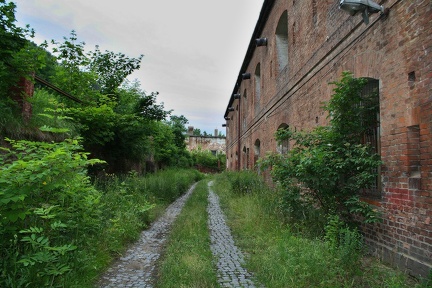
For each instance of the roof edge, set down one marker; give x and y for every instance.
(259, 27)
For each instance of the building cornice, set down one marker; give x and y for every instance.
(259, 27)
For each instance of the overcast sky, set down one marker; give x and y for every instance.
(193, 48)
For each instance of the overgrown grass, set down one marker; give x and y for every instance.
(68, 230)
(280, 257)
(129, 204)
(188, 258)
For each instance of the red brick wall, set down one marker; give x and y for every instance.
(23, 90)
(323, 41)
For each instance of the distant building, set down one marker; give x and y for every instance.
(213, 143)
(296, 50)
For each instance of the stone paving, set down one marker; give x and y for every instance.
(229, 257)
(136, 267)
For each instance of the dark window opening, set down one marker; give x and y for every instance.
(371, 135)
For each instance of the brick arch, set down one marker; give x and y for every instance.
(244, 108)
(257, 150)
(364, 64)
(245, 158)
(257, 81)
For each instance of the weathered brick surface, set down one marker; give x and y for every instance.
(323, 41)
(23, 90)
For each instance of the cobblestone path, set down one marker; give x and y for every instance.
(136, 267)
(229, 258)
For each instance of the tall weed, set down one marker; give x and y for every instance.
(346, 243)
(46, 200)
(56, 228)
(280, 258)
(245, 182)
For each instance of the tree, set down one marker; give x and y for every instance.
(132, 99)
(19, 58)
(117, 131)
(164, 148)
(112, 68)
(118, 119)
(72, 72)
(12, 41)
(197, 132)
(147, 108)
(178, 125)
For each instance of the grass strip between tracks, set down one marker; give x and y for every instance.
(187, 261)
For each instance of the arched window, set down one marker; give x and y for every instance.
(282, 41)
(245, 99)
(257, 87)
(283, 146)
(245, 158)
(244, 110)
(257, 150)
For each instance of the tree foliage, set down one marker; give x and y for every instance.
(112, 68)
(12, 41)
(207, 161)
(50, 212)
(18, 59)
(116, 122)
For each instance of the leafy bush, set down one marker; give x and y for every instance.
(46, 200)
(207, 160)
(56, 228)
(328, 166)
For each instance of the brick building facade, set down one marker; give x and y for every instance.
(285, 78)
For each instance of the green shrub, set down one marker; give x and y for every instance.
(56, 228)
(206, 159)
(327, 167)
(46, 200)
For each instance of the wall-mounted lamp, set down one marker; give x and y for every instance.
(246, 76)
(261, 42)
(227, 118)
(224, 125)
(236, 96)
(361, 6)
(231, 109)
